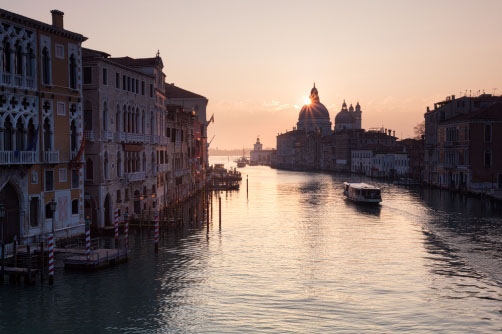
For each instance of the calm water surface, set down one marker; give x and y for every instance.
(292, 257)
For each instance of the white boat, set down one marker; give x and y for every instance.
(362, 192)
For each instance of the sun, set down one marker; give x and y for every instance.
(306, 100)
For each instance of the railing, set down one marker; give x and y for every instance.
(155, 139)
(147, 139)
(51, 157)
(134, 137)
(6, 78)
(163, 168)
(120, 137)
(138, 176)
(30, 82)
(18, 157)
(107, 135)
(164, 140)
(89, 135)
(73, 154)
(18, 80)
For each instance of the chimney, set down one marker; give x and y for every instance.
(57, 18)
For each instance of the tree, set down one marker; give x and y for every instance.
(419, 130)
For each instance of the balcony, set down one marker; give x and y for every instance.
(163, 168)
(107, 135)
(134, 138)
(51, 157)
(6, 78)
(133, 177)
(30, 82)
(18, 157)
(164, 140)
(147, 139)
(18, 80)
(120, 137)
(89, 135)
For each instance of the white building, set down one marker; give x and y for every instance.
(259, 156)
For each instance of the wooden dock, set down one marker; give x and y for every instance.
(15, 274)
(99, 259)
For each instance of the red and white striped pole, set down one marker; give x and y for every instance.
(156, 231)
(126, 229)
(88, 238)
(51, 258)
(116, 228)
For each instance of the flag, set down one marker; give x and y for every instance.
(33, 144)
(211, 119)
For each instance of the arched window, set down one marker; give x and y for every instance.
(29, 64)
(73, 72)
(31, 136)
(19, 135)
(151, 124)
(89, 170)
(143, 122)
(137, 121)
(47, 135)
(46, 67)
(74, 207)
(105, 116)
(117, 119)
(144, 162)
(119, 164)
(19, 60)
(6, 57)
(153, 163)
(88, 116)
(7, 136)
(106, 166)
(124, 118)
(73, 136)
(137, 161)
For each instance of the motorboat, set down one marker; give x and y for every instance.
(362, 192)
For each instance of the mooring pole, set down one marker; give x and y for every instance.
(247, 186)
(88, 238)
(156, 217)
(42, 261)
(126, 230)
(116, 222)
(28, 250)
(51, 258)
(219, 200)
(3, 263)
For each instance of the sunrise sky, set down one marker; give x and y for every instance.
(256, 60)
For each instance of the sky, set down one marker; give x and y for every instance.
(256, 60)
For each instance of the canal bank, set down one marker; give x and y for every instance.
(291, 256)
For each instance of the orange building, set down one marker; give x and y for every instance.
(40, 128)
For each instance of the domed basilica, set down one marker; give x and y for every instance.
(348, 118)
(314, 116)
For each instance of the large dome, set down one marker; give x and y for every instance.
(315, 110)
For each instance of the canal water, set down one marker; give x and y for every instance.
(292, 256)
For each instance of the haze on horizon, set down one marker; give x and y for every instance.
(256, 60)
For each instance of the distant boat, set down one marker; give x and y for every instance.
(242, 161)
(362, 192)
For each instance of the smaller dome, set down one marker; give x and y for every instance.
(358, 107)
(351, 108)
(344, 117)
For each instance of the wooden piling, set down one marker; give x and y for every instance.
(3, 264)
(51, 259)
(42, 261)
(219, 211)
(27, 279)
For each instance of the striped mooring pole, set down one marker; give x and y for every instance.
(126, 230)
(88, 238)
(156, 217)
(51, 258)
(116, 222)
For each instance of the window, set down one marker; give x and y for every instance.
(119, 165)
(105, 116)
(34, 177)
(87, 75)
(73, 72)
(488, 158)
(142, 88)
(117, 80)
(137, 86)
(34, 205)
(18, 65)
(126, 194)
(124, 82)
(128, 84)
(106, 166)
(119, 196)
(46, 67)
(74, 207)
(61, 110)
(168, 132)
(47, 135)
(62, 175)
(105, 76)
(89, 170)
(488, 133)
(88, 116)
(6, 57)
(73, 136)
(59, 51)
(75, 180)
(29, 64)
(49, 180)
(151, 90)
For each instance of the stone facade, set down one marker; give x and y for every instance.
(40, 128)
